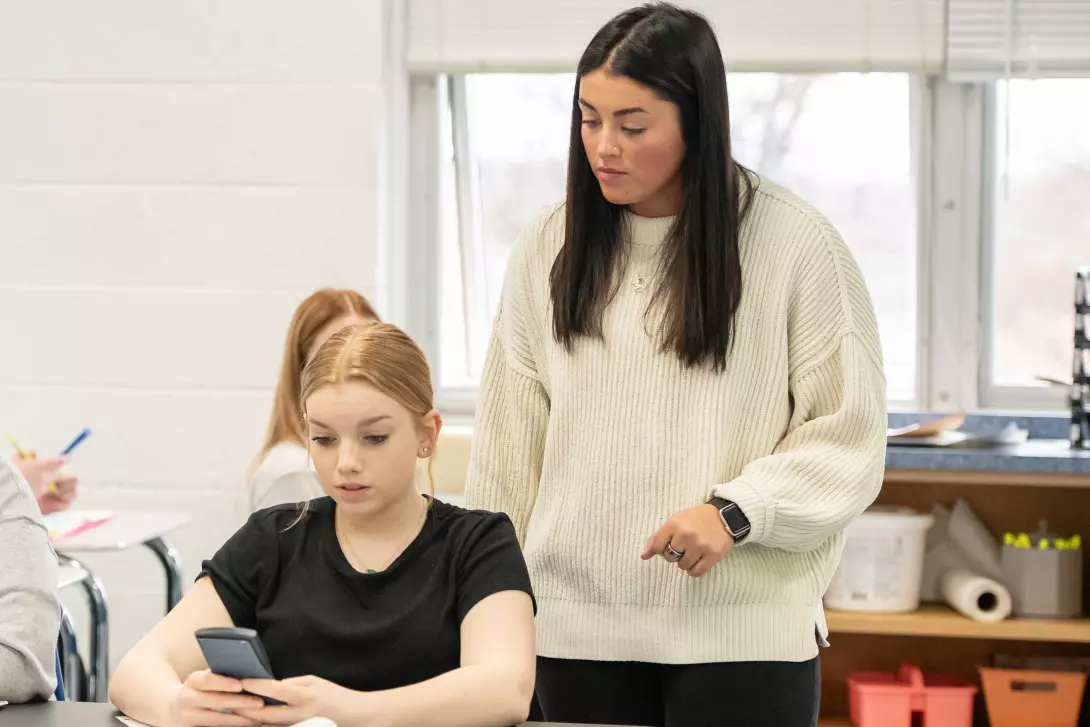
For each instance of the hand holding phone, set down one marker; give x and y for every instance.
(235, 653)
(205, 698)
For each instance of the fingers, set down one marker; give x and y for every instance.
(205, 681)
(702, 567)
(51, 464)
(209, 699)
(222, 700)
(275, 715)
(270, 688)
(656, 544)
(49, 506)
(66, 484)
(690, 559)
(59, 500)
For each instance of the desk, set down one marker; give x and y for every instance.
(84, 714)
(125, 530)
(69, 575)
(130, 529)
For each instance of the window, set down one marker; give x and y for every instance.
(505, 157)
(1040, 228)
(842, 141)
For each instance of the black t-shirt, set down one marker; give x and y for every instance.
(317, 615)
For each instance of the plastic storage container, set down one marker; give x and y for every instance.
(891, 700)
(882, 564)
(1018, 698)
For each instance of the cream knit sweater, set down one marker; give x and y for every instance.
(589, 452)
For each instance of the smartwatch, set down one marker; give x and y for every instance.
(734, 520)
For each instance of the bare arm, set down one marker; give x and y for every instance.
(149, 678)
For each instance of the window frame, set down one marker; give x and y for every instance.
(952, 158)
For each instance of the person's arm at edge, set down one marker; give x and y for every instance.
(30, 612)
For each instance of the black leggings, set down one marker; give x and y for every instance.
(736, 694)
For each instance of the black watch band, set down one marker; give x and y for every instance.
(734, 520)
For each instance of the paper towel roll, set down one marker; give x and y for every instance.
(979, 598)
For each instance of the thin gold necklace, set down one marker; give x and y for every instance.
(400, 549)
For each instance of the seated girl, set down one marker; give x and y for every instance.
(376, 605)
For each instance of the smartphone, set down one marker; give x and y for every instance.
(235, 653)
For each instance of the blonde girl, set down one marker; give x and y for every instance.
(377, 605)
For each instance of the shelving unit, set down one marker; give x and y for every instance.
(936, 638)
(943, 622)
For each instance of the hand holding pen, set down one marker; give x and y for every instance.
(54, 487)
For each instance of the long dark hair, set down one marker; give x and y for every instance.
(674, 53)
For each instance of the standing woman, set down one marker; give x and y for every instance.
(685, 368)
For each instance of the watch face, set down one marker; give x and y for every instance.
(736, 521)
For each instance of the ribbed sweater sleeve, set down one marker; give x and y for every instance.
(513, 403)
(828, 467)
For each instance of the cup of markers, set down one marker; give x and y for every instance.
(1044, 573)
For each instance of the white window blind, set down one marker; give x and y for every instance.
(463, 36)
(990, 39)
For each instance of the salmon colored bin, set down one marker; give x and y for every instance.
(1018, 698)
(890, 700)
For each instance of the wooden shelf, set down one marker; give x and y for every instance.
(940, 621)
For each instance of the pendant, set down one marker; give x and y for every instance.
(639, 284)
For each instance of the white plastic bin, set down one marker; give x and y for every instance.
(882, 564)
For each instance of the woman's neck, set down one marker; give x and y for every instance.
(390, 522)
(667, 202)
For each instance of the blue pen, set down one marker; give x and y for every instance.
(76, 442)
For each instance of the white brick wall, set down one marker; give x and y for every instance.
(174, 178)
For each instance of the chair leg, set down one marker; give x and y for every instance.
(72, 675)
(98, 669)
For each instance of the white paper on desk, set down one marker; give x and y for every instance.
(312, 722)
(67, 523)
(129, 722)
